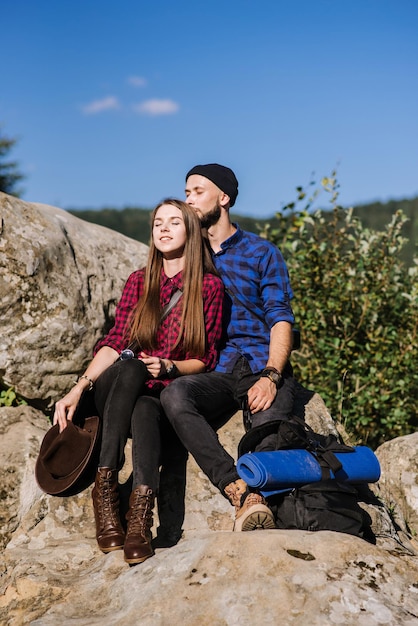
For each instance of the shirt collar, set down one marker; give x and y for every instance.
(233, 239)
(176, 280)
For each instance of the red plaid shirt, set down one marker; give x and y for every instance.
(213, 295)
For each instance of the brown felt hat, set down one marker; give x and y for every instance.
(67, 461)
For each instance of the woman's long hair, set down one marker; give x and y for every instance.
(146, 316)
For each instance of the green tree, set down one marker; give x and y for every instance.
(356, 305)
(9, 174)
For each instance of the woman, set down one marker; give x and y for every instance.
(175, 342)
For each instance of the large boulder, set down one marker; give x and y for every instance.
(60, 279)
(21, 433)
(398, 486)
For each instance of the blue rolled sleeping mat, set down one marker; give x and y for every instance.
(282, 470)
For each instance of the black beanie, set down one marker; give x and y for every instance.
(223, 177)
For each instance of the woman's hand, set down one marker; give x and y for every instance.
(66, 407)
(155, 366)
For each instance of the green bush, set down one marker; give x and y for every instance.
(8, 397)
(356, 305)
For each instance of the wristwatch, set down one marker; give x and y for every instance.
(272, 374)
(172, 371)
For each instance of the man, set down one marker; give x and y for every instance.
(253, 365)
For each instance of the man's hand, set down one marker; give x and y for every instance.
(261, 395)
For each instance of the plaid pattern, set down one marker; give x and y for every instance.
(258, 289)
(213, 294)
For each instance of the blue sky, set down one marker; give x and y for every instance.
(113, 101)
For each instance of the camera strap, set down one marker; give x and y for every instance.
(175, 297)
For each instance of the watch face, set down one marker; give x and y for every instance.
(273, 376)
(172, 371)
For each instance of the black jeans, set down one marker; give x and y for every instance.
(200, 404)
(128, 408)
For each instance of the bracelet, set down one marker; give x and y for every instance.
(91, 383)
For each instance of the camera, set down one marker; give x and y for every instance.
(126, 354)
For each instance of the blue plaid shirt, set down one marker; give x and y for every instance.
(258, 296)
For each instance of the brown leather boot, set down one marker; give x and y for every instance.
(138, 546)
(109, 532)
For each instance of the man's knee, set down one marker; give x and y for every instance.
(175, 396)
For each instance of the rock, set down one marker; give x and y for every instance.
(54, 572)
(60, 279)
(267, 577)
(398, 486)
(310, 407)
(21, 432)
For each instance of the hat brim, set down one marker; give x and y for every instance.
(81, 476)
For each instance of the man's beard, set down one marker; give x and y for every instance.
(211, 218)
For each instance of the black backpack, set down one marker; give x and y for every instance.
(324, 505)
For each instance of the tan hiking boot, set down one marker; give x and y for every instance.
(254, 514)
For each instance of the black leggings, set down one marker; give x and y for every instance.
(128, 408)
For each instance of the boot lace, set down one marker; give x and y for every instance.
(140, 515)
(107, 498)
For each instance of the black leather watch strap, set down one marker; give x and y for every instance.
(172, 371)
(272, 374)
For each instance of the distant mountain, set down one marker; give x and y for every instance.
(135, 222)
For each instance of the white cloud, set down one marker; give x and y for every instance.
(137, 81)
(97, 106)
(156, 107)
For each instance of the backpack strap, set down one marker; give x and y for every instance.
(253, 437)
(295, 433)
